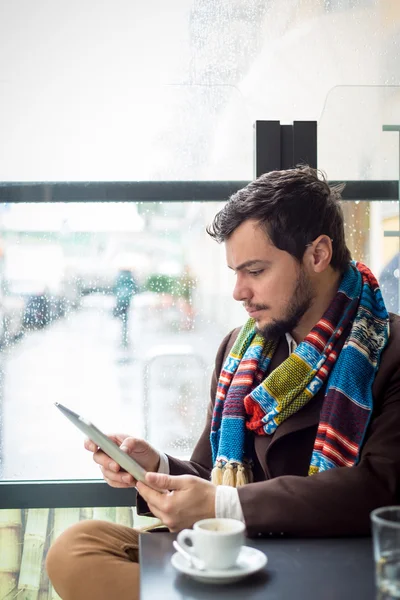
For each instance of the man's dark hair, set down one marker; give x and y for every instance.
(294, 207)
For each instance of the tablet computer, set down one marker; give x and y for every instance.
(104, 442)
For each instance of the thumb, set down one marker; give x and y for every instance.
(165, 482)
(131, 444)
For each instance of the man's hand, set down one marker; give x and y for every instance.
(141, 451)
(181, 501)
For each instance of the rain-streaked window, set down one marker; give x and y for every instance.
(112, 309)
(157, 92)
(336, 5)
(115, 309)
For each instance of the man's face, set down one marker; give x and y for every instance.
(273, 287)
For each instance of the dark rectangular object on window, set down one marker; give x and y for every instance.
(305, 143)
(267, 146)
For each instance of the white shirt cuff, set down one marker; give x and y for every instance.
(227, 503)
(164, 464)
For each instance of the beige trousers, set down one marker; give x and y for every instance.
(95, 560)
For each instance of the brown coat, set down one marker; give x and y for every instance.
(283, 499)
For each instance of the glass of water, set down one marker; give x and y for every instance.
(386, 540)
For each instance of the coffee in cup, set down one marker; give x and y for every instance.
(217, 542)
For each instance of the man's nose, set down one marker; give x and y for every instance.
(241, 291)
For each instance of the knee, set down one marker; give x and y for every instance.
(63, 559)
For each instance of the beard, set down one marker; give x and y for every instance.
(298, 305)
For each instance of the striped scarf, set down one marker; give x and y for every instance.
(247, 401)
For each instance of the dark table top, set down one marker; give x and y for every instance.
(309, 569)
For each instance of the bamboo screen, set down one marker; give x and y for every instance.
(26, 536)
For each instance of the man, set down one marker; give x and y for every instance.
(302, 435)
(124, 289)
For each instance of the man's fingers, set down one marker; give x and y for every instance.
(102, 459)
(130, 444)
(123, 480)
(166, 482)
(118, 484)
(152, 497)
(161, 483)
(89, 445)
(122, 477)
(156, 512)
(120, 439)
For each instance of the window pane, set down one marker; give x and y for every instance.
(351, 140)
(157, 91)
(115, 310)
(372, 235)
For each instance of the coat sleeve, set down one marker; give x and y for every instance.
(338, 501)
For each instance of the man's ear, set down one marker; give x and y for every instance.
(320, 253)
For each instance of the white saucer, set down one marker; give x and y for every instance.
(249, 561)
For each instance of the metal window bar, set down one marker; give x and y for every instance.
(167, 191)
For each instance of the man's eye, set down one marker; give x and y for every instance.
(255, 273)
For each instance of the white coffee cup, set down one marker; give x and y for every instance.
(217, 542)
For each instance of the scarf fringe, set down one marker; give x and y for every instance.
(231, 473)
